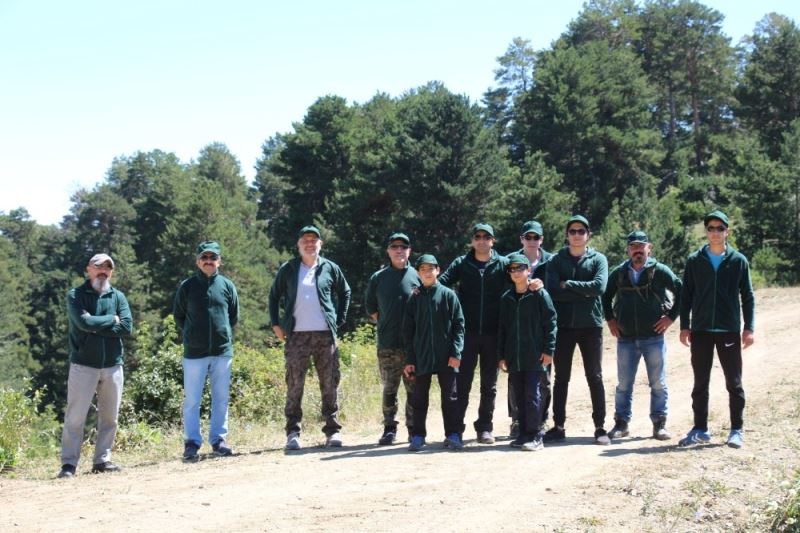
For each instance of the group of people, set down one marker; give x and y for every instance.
(524, 313)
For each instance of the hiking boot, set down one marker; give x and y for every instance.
(619, 430)
(334, 440)
(659, 430)
(293, 441)
(388, 437)
(601, 437)
(105, 466)
(695, 436)
(532, 445)
(417, 443)
(485, 437)
(67, 471)
(555, 434)
(453, 441)
(190, 451)
(736, 438)
(220, 449)
(513, 431)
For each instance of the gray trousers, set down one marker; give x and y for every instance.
(83, 383)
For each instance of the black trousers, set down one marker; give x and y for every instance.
(590, 342)
(729, 352)
(528, 387)
(419, 402)
(546, 392)
(483, 349)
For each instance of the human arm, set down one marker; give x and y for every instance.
(597, 285)
(79, 316)
(748, 302)
(123, 319)
(233, 306)
(452, 275)
(371, 298)
(343, 294)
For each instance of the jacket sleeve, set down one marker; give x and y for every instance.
(609, 293)
(408, 330)
(458, 326)
(125, 326)
(452, 275)
(233, 306)
(675, 286)
(275, 295)
(81, 319)
(552, 283)
(371, 295)
(748, 297)
(343, 294)
(502, 329)
(596, 287)
(549, 323)
(687, 295)
(179, 307)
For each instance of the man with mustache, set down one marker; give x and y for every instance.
(99, 318)
(641, 301)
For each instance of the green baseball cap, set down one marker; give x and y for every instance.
(719, 215)
(426, 259)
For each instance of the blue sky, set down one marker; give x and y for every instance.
(86, 81)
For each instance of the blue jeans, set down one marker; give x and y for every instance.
(218, 370)
(654, 352)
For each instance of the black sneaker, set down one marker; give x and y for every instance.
(513, 431)
(67, 471)
(106, 466)
(220, 449)
(555, 434)
(601, 437)
(518, 442)
(388, 437)
(619, 430)
(190, 452)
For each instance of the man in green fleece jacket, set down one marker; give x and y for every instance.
(206, 310)
(641, 302)
(99, 318)
(433, 336)
(576, 278)
(717, 293)
(308, 302)
(387, 292)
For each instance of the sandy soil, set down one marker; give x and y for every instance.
(637, 483)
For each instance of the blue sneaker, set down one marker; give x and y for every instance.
(695, 436)
(417, 443)
(453, 441)
(736, 438)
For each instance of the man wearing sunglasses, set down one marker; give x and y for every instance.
(206, 309)
(99, 318)
(387, 292)
(576, 279)
(717, 294)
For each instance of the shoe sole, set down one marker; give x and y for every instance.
(191, 459)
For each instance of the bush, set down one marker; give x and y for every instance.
(24, 431)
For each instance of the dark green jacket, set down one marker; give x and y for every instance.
(388, 290)
(479, 294)
(578, 303)
(540, 272)
(710, 301)
(433, 329)
(332, 290)
(637, 308)
(95, 337)
(527, 330)
(206, 309)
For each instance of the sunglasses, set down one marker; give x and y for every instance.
(577, 231)
(209, 257)
(426, 268)
(717, 229)
(482, 237)
(531, 237)
(516, 268)
(398, 246)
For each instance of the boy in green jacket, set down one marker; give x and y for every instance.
(433, 334)
(525, 343)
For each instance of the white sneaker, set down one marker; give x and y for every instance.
(532, 446)
(293, 441)
(334, 440)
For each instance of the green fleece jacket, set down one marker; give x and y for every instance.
(206, 309)
(332, 290)
(637, 308)
(433, 329)
(527, 329)
(716, 300)
(95, 336)
(479, 293)
(578, 302)
(387, 292)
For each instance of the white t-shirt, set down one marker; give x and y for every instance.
(308, 314)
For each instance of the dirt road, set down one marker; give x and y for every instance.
(637, 483)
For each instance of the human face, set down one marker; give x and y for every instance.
(519, 273)
(482, 242)
(428, 274)
(399, 252)
(716, 232)
(100, 276)
(531, 241)
(577, 235)
(639, 252)
(309, 246)
(209, 263)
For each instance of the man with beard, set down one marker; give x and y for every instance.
(641, 301)
(99, 317)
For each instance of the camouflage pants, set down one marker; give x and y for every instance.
(390, 363)
(301, 346)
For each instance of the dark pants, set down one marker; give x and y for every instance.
(483, 348)
(528, 388)
(546, 392)
(300, 348)
(590, 342)
(729, 351)
(390, 364)
(419, 402)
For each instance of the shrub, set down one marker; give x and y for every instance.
(24, 431)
